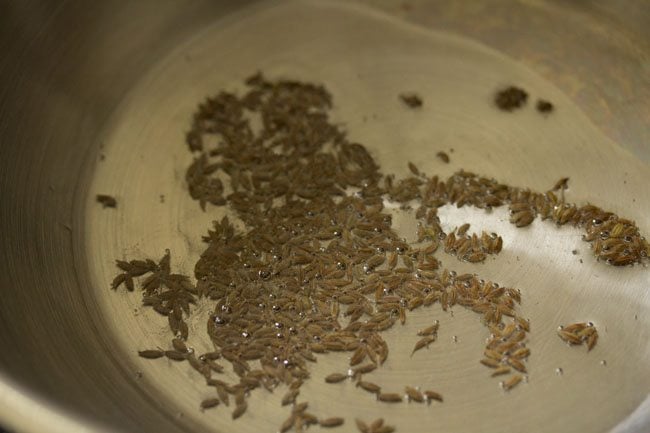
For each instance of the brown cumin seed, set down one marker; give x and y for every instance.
(179, 345)
(575, 327)
(517, 365)
(512, 382)
(363, 369)
(389, 397)
(443, 157)
(591, 341)
(411, 100)
(335, 378)
(523, 324)
(106, 200)
(522, 353)
(239, 410)
(488, 362)
(500, 371)
(413, 168)
(432, 395)
(563, 183)
(413, 394)
(358, 356)
(569, 337)
(423, 342)
(287, 423)
(493, 354)
(175, 355)
(309, 419)
(290, 397)
(223, 394)
(331, 422)
(460, 231)
(376, 424)
(209, 403)
(300, 407)
(429, 330)
(151, 354)
(369, 386)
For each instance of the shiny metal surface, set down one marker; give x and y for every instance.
(67, 364)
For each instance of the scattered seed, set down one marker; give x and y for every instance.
(106, 200)
(512, 382)
(290, 397)
(561, 184)
(389, 397)
(369, 386)
(175, 355)
(428, 331)
(488, 362)
(288, 423)
(432, 395)
(510, 98)
(423, 342)
(500, 371)
(239, 410)
(209, 403)
(335, 378)
(363, 369)
(376, 424)
(413, 169)
(151, 354)
(517, 365)
(413, 394)
(544, 106)
(411, 100)
(331, 422)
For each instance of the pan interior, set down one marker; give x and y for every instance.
(366, 60)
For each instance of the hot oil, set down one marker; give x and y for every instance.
(366, 61)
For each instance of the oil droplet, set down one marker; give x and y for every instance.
(603, 363)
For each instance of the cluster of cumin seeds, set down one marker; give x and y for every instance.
(318, 267)
(578, 334)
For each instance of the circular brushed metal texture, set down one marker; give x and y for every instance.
(121, 79)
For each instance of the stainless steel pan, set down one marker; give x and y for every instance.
(72, 80)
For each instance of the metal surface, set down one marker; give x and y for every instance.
(122, 79)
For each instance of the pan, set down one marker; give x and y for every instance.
(97, 100)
